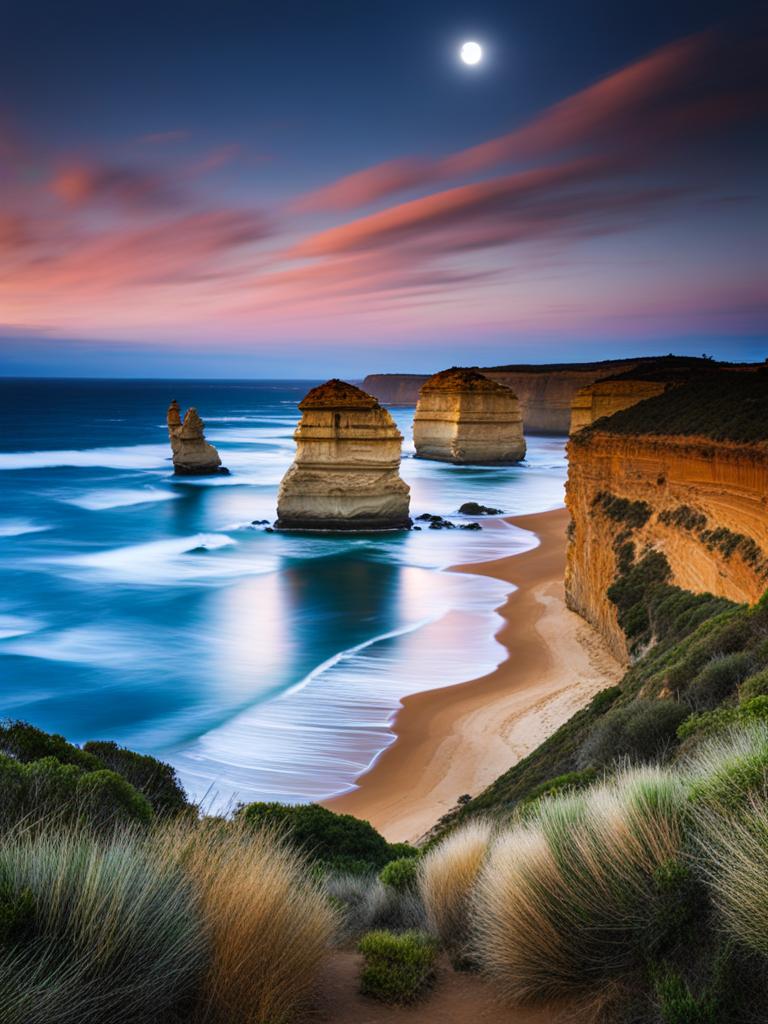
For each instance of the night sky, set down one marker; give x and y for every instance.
(313, 189)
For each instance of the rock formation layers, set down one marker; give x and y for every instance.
(700, 500)
(192, 455)
(462, 416)
(345, 475)
(606, 397)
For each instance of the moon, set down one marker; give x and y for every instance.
(471, 52)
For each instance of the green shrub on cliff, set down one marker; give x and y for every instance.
(337, 841)
(640, 731)
(397, 969)
(156, 780)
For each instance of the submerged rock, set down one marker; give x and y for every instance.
(192, 455)
(346, 472)
(462, 416)
(471, 508)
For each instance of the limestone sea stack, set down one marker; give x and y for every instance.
(462, 416)
(192, 455)
(346, 472)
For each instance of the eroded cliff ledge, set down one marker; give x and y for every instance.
(345, 475)
(192, 455)
(462, 416)
(677, 485)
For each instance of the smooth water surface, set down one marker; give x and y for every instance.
(148, 609)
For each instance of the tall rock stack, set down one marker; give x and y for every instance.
(192, 455)
(462, 416)
(346, 472)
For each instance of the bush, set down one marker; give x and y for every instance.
(401, 874)
(397, 968)
(677, 1004)
(156, 780)
(640, 731)
(365, 904)
(339, 841)
(95, 931)
(569, 902)
(26, 743)
(709, 722)
(718, 680)
(268, 923)
(754, 686)
(447, 875)
(46, 789)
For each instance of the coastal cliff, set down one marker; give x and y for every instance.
(545, 392)
(462, 416)
(606, 397)
(345, 475)
(677, 483)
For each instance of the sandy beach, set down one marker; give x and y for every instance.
(458, 739)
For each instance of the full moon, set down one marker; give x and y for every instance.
(471, 53)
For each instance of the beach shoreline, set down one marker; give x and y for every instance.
(458, 739)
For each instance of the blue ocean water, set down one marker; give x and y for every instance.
(148, 609)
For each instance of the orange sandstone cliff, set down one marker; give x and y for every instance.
(684, 474)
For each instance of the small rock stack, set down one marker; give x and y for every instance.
(462, 416)
(192, 455)
(346, 472)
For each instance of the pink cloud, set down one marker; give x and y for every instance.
(82, 184)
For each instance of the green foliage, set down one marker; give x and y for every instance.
(27, 743)
(565, 783)
(754, 686)
(717, 681)
(397, 850)
(710, 722)
(723, 406)
(397, 968)
(640, 731)
(633, 513)
(156, 780)
(676, 1003)
(731, 781)
(338, 841)
(400, 874)
(46, 788)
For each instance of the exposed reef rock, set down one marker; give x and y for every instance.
(346, 472)
(192, 455)
(461, 416)
(471, 508)
(682, 476)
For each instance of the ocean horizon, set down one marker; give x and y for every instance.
(157, 611)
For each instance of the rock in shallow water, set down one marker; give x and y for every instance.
(346, 472)
(471, 508)
(192, 455)
(462, 416)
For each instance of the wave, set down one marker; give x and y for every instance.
(17, 625)
(97, 501)
(141, 456)
(17, 527)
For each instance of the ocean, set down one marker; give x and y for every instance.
(150, 609)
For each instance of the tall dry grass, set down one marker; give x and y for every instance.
(566, 901)
(447, 875)
(96, 930)
(268, 923)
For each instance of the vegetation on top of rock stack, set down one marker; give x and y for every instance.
(722, 406)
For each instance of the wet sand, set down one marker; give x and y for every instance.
(458, 739)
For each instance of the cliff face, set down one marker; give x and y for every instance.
(192, 455)
(462, 416)
(544, 393)
(700, 502)
(346, 472)
(606, 397)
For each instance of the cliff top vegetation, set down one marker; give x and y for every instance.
(721, 406)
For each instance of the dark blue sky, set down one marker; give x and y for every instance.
(165, 173)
